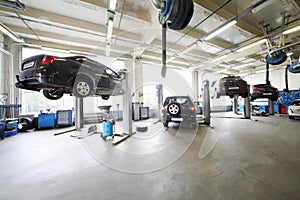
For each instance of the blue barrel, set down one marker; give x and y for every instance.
(107, 128)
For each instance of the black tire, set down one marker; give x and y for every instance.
(105, 97)
(291, 117)
(53, 94)
(35, 123)
(218, 95)
(231, 96)
(26, 124)
(82, 87)
(174, 109)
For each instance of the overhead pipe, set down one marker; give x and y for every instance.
(14, 5)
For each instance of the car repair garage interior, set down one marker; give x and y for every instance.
(153, 99)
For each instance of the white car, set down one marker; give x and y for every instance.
(294, 109)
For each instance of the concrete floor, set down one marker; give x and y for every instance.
(238, 159)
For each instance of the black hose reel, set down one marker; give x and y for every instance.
(176, 14)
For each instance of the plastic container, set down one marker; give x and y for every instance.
(107, 128)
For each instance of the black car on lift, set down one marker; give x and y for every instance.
(232, 85)
(179, 109)
(264, 91)
(77, 75)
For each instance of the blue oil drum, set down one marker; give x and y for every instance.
(107, 128)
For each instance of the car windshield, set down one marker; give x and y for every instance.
(180, 100)
(111, 72)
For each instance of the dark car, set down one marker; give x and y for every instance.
(232, 85)
(264, 91)
(75, 75)
(179, 109)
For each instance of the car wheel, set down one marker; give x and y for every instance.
(166, 124)
(82, 87)
(53, 94)
(291, 117)
(26, 124)
(231, 96)
(105, 97)
(218, 95)
(174, 109)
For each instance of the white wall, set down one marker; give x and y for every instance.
(277, 79)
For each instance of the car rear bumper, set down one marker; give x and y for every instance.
(181, 119)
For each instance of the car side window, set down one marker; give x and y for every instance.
(110, 72)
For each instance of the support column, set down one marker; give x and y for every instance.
(195, 82)
(127, 98)
(11, 68)
(138, 81)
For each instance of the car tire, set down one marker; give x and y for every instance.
(291, 117)
(26, 124)
(105, 97)
(82, 87)
(218, 95)
(53, 94)
(174, 109)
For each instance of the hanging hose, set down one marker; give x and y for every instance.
(164, 50)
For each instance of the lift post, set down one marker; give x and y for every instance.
(159, 93)
(78, 113)
(271, 107)
(206, 102)
(247, 109)
(235, 103)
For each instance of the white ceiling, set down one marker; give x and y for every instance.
(81, 26)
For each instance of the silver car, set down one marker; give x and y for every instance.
(294, 109)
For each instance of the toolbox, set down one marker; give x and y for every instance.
(46, 120)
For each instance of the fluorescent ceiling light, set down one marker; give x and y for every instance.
(110, 26)
(291, 30)
(261, 6)
(220, 58)
(252, 45)
(112, 5)
(9, 33)
(219, 30)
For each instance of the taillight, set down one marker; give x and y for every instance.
(163, 109)
(48, 60)
(192, 108)
(255, 89)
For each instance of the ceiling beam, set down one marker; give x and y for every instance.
(130, 10)
(227, 13)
